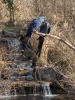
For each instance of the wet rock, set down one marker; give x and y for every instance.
(14, 76)
(48, 74)
(25, 65)
(8, 33)
(22, 65)
(23, 72)
(22, 78)
(29, 77)
(13, 44)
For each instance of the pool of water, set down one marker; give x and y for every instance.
(38, 97)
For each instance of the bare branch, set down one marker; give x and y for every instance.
(56, 37)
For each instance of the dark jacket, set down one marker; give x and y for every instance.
(45, 28)
(35, 25)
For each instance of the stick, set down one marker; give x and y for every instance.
(55, 37)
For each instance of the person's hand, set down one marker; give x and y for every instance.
(34, 30)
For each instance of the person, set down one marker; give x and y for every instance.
(45, 28)
(34, 26)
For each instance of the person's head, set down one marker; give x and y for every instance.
(45, 27)
(42, 18)
(47, 23)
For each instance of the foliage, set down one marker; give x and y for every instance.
(9, 3)
(11, 8)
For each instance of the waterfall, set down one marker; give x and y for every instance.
(46, 89)
(15, 94)
(6, 92)
(34, 90)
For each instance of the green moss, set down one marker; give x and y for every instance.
(39, 63)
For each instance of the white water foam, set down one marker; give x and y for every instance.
(47, 90)
(7, 96)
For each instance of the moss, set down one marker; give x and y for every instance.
(29, 55)
(39, 63)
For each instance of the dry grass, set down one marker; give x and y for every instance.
(61, 56)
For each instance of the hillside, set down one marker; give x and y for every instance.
(55, 53)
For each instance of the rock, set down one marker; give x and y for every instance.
(48, 74)
(8, 33)
(22, 78)
(21, 69)
(29, 77)
(13, 44)
(23, 72)
(14, 76)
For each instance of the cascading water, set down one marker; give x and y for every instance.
(46, 89)
(7, 92)
(14, 46)
(15, 94)
(34, 90)
(41, 88)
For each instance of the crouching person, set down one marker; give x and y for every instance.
(34, 26)
(45, 28)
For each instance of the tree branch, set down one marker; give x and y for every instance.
(55, 37)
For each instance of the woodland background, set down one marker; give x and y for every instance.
(61, 15)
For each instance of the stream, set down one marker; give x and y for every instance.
(21, 70)
(40, 97)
